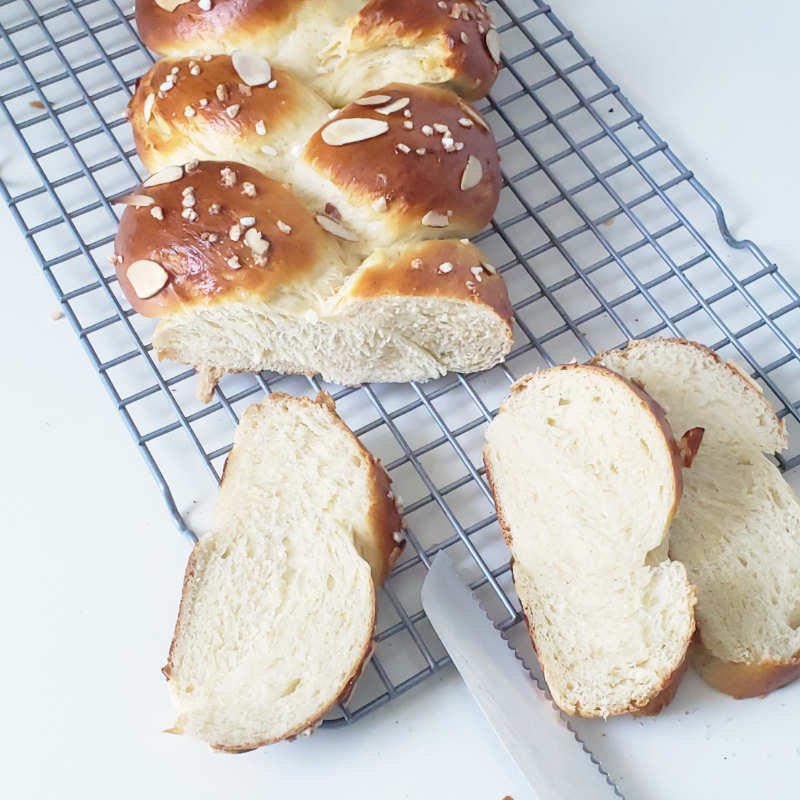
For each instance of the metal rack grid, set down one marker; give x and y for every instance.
(602, 235)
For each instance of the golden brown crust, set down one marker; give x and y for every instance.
(198, 267)
(189, 29)
(669, 687)
(462, 27)
(437, 268)
(195, 116)
(741, 680)
(387, 167)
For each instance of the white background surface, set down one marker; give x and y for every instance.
(92, 565)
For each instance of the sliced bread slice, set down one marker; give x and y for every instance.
(586, 478)
(738, 526)
(278, 606)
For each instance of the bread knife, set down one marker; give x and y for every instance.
(554, 760)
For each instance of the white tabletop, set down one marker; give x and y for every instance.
(93, 564)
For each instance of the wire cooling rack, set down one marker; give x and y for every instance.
(602, 235)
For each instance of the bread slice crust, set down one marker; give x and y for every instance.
(379, 549)
(663, 693)
(738, 678)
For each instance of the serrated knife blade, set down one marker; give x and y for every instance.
(553, 759)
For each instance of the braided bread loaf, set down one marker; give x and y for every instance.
(300, 238)
(341, 48)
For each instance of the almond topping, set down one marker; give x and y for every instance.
(355, 129)
(492, 40)
(157, 213)
(472, 175)
(435, 219)
(477, 272)
(283, 227)
(401, 102)
(334, 228)
(256, 242)
(147, 109)
(221, 92)
(233, 110)
(233, 262)
(373, 100)
(489, 268)
(204, 5)
(445, 268)
(261, 128)
(147, 278)
(251, 68)
(166, 175)
(247, 222)
(135, 200)
(170, 5)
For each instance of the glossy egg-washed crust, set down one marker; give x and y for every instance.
(197, 268)
(669, 686)
(385, 521)
(257, 25)
(228, 24)
(416, 271)
(382, 22)
(169, 130)
(413, 184)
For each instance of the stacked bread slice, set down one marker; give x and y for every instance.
(738, 526)
(278, 606)
(586, 478)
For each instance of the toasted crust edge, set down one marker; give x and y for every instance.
(386, 519)
(743, 680)
(669, 687)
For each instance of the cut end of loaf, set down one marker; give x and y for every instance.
(610, 618)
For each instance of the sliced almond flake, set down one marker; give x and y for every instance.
(147, 278)
(492, 270)
(440, 127)
(396, 105)
(272, 84)
(407, 113)
(408, 124)
(227, 177)
(170, 5)
(233, 110)
(233, 262)
(354, 129)
(167, 175)
(157, 213)
(464, 37)
(472, 174)
(420, 151)
(427, 130)
(147, 109)
(235, 233)
(221, 92)
(283, 227)
(492, 40)
(445, 268)
(189, 111)
(248, 189)
(251, 68)
(435, 219)
(403, 148)
(135, 200)
(204, 5)
(334, 228)
(373, 100)
(475, 117)
(268, 150)
(477, 272)
(465, 122)
(261, 128)
(247, 222)
(190, 214)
